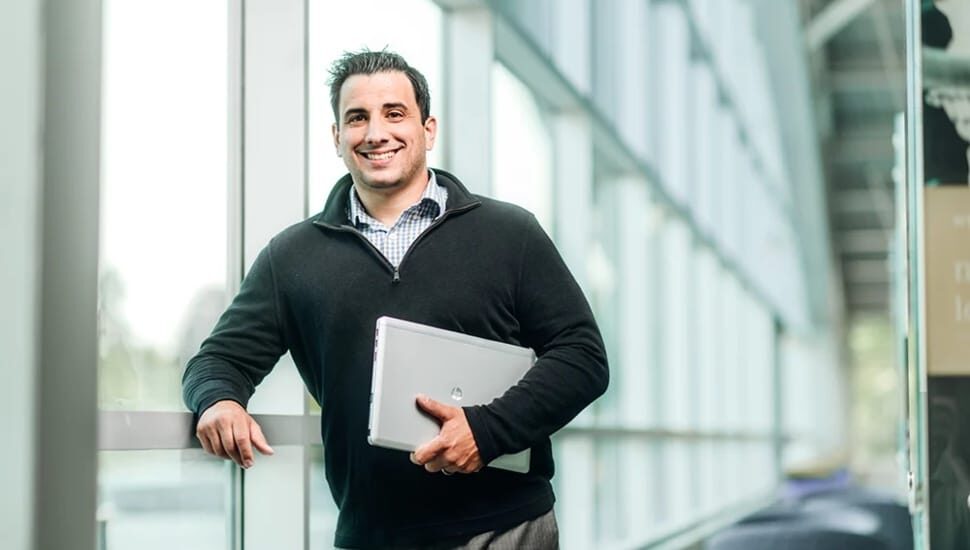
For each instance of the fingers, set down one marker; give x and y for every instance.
(431, 456)
(427, 452)
(447, 467)
(436, 456)
(244, 448)
(229, 444)
(437, 465)
(454, 449)
(439, 410)
(226, 430)
(206, 443)
(211, 441)
(258, 439)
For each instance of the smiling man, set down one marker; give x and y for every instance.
(397, 238)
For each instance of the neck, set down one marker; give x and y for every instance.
(387, 205)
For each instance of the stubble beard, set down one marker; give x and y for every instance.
(388, 187)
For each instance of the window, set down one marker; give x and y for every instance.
(163, 264)
(159, 500)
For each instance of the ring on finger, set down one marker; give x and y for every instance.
(446, 472)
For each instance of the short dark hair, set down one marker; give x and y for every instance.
(369, 62)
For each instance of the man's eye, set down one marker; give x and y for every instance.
(355, 118)
(396, 114)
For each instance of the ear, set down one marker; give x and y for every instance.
(430, 132)
(336, 138)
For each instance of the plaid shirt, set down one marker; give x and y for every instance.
(394, 242)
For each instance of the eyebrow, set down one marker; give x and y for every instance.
(385, 107)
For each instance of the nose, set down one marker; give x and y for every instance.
(376, 131)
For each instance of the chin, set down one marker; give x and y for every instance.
(380, 183)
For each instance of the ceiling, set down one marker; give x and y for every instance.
(856, 57)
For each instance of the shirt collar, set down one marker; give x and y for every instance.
(433, 192)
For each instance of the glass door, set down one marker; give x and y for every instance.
(938, 230)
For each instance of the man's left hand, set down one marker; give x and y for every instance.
(454, 449)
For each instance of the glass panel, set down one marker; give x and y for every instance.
(727, 151)
(637, 369)
(603, 279)
(336, 27)
(575, 488)
(703, 171)
(323, 510)
(639, 479)
(705, 339)
(731, 367)
(609, 487)
(675, 342)
(760, 351)
(678, 481)
(160, 500)
(163, 199)
(672, 139)
(709, 475)
(942, 229)
(521, 145)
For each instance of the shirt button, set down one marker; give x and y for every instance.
(392, 237)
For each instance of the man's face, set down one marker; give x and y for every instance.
(379, 134)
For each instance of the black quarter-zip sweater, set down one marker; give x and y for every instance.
(485, 268)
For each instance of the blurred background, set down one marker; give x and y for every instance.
(723, 177)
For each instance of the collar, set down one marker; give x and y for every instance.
(356, 213)
(334, 213)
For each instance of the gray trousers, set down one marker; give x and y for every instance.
(541, 533)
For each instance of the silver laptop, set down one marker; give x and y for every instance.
(450, 367)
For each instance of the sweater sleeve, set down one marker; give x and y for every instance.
(244, 346)
(571, 371)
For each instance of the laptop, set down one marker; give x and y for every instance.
(450, 367)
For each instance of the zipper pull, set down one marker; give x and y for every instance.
(397, 276)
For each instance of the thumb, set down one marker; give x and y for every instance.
(438, 410)
(259, 440)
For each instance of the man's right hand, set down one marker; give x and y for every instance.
(226, 430)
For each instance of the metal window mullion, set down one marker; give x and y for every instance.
(916, 262)
(65, 383)
(274, 169)
(235, 130)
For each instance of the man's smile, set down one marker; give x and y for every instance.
(379, 155)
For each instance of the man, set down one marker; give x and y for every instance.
(398, 239)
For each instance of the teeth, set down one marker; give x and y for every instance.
(380, 156)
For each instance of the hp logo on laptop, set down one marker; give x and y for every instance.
(456, 393)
